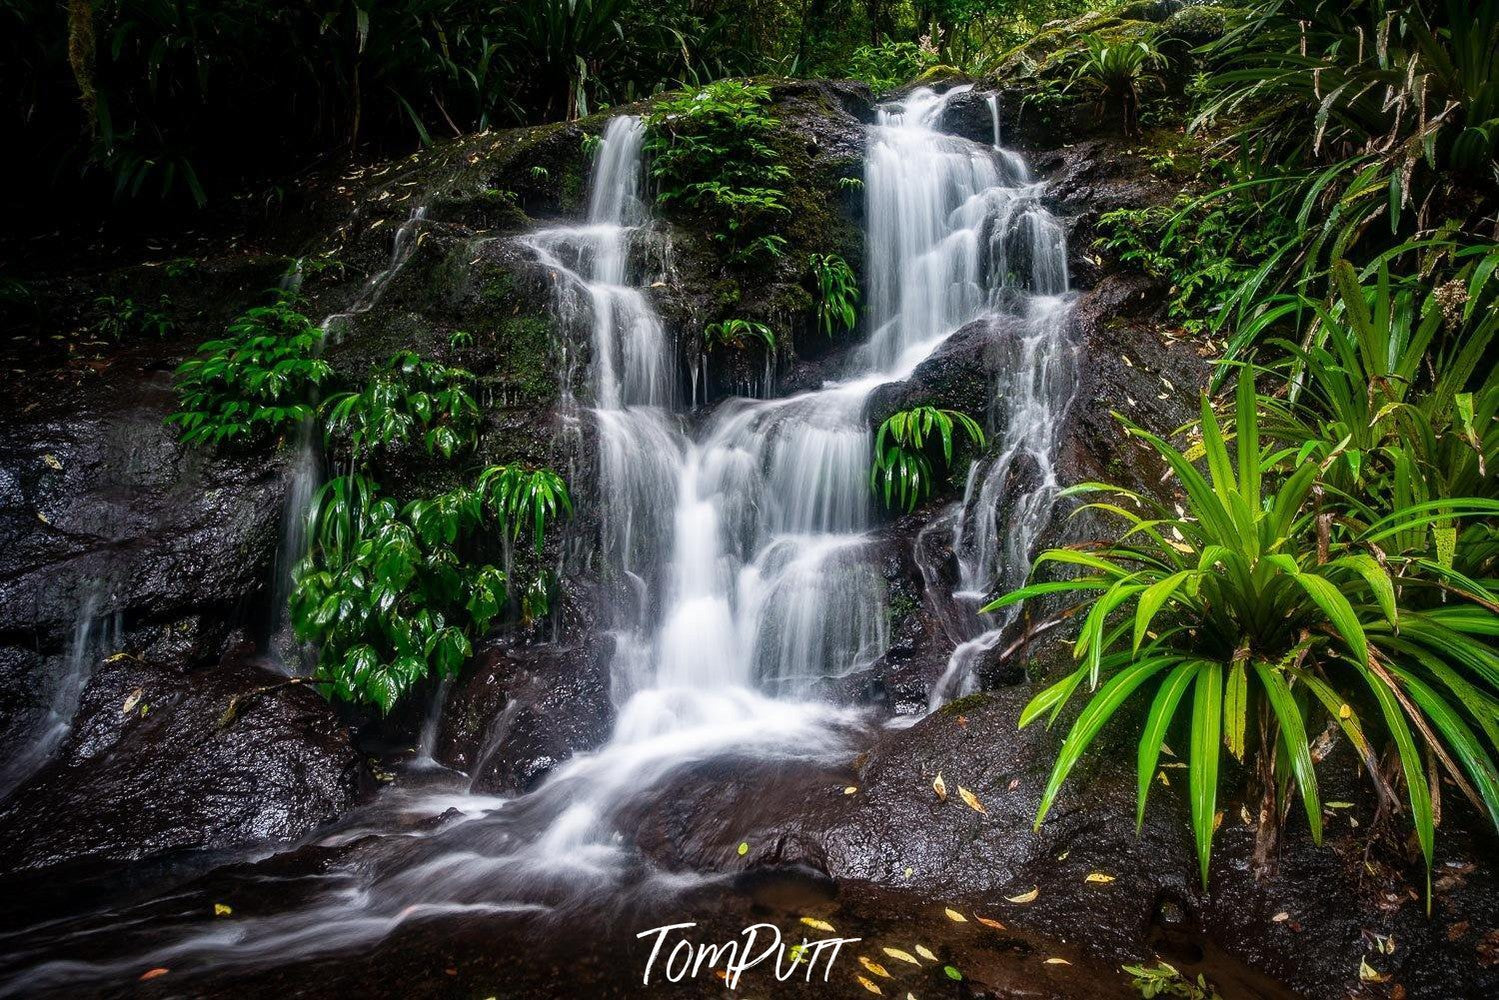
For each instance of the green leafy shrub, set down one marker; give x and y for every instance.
(738, 334)
(1205, 249)
(710, 152)
(393, 595)
(122, 319)
(889, 64)
(255, 381)
(1267, 608)
(904, 449)
(405, 395)
(837, 293)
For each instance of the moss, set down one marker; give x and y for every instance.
(570, 189)
(523, 357)
(899, 609)
(1196, 25)
(967, 703)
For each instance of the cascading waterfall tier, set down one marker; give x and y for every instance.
(744, 572)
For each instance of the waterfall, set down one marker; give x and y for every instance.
(736, 545)
(94, 634)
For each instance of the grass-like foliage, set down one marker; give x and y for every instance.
(525, 498)
(407, 395)
(1371, 121)
(738, 334)
(1259, 612)
(1115, 71)
(907, 444)
(889, 64)
(392, 595)
(710, 152)
(837, 293)
(255, 381)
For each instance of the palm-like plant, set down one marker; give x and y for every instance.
(1115, 71)
(1250, 603)
(570, 38)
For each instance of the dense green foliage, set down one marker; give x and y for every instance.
(906, 446)
(392, 595)
(710, 152)
(405, 395)
(256, 381)
(1367, 125)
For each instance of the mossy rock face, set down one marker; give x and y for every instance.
(1196, 25)
(821, 143)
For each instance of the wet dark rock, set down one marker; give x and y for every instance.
(959, 374)
(110, 527)
(1136, 367)
(148, 770)
(517, 712)
(894, 832)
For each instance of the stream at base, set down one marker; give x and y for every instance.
(743, 551)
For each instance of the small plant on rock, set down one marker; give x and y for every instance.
(837, 293)
(904, 447)
(407, 395)
(1115, 71)
(738, 334)
(255, 381)
(122, 319)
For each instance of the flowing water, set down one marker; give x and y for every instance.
(96, 633)
(740, 548)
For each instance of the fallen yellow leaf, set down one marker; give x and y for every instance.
(925, 953)
(1057, 961)
(901, 956)
(940, 787)
(818, 925)
(221, 910)
(851, 789)
(1025, 897)
(971, 800)
(955, 916)
(153, 973)
(875, 967)
(870, 986)
(989, 923)
(1099, 878)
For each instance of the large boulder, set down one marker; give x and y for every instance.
(152, 767)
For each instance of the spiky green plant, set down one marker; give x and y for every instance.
(738, 334)
(1262, 606)
(1115, 71)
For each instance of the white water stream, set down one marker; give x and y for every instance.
(739, 551)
